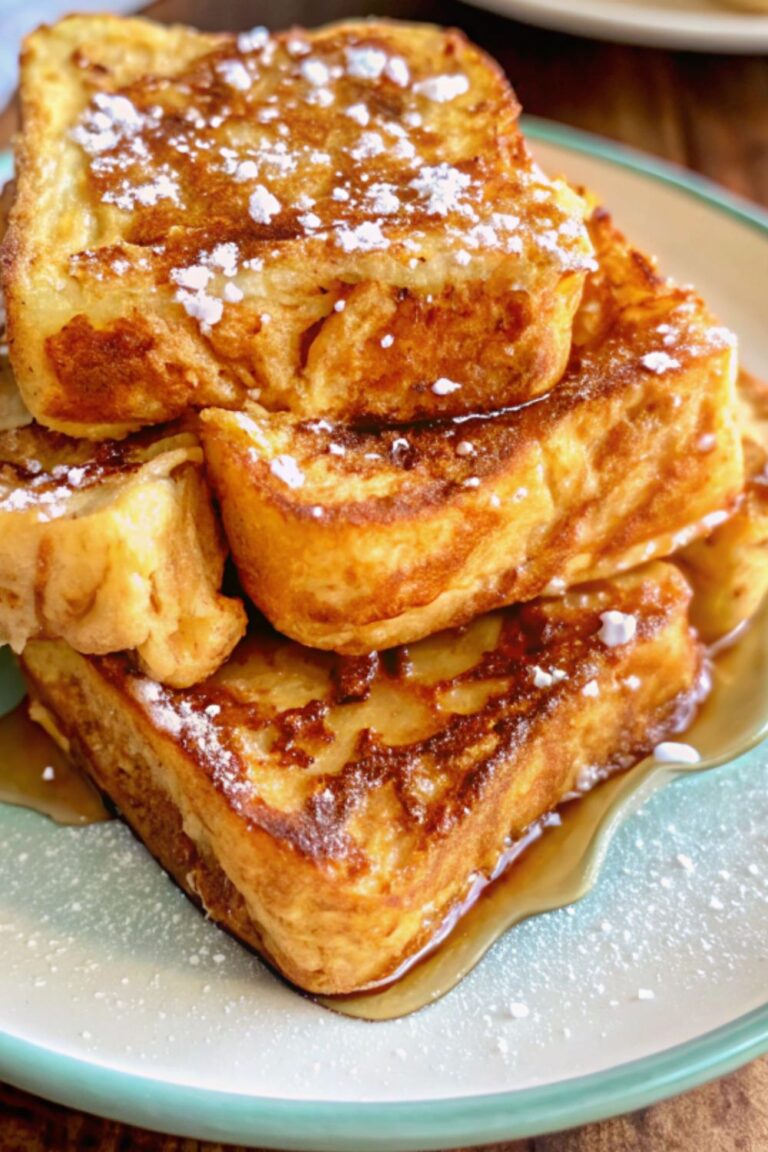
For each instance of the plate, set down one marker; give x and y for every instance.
(117, 997)
(701, 25)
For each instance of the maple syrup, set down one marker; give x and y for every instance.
(558, 860)
(554, 864)
(35, 773)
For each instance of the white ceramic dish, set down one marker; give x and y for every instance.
(117, 997)
(700, 25)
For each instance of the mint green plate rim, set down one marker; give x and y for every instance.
(350, 1126)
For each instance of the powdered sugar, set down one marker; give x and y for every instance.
(262, 205)
(196, 727)
(285, 468)
(111, 120)
(254, 41)
(192, 294)
(127, 194)
(234, 73)
(659, 362)
(208, 310)
(397, 71)
(383, 199)
(441, 188)
(444, 386)
(367, 176)
(365, 63)
(315, 72)
(246, 170)
(194, 278)
(442, 89)
(89, 921)
(616, 628)
(359, 113)
(366, 237)
(369, 145)
(47, 504)
(225, 257)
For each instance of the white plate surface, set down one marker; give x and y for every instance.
(702, 25)
(104, 960)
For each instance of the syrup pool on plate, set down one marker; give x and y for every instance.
(554, 864)
(561, 862)
(35, 773)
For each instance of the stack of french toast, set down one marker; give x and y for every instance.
(363, 492)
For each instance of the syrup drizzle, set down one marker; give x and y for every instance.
(559, 859)
(554, 864)
(35, 773)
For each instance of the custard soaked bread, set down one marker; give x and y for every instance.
(729, 569)
(332, 812)
(356, 540)
(114, 546)
(345, 221)
(111, 546)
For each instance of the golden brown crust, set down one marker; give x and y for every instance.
(346, 830)
(354, 540)
(133, 348)
(174, 242)
(729, 569)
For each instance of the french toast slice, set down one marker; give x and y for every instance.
(356, 540)
(333, 812)
(114, 546)
(729, 568)
(343, 221)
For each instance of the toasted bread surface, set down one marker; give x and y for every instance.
(114, 546)
(13, 411)
(729, 568)
(355, 540)
(332, 811)
(343, 221)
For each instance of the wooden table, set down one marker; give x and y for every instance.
(707, 112)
